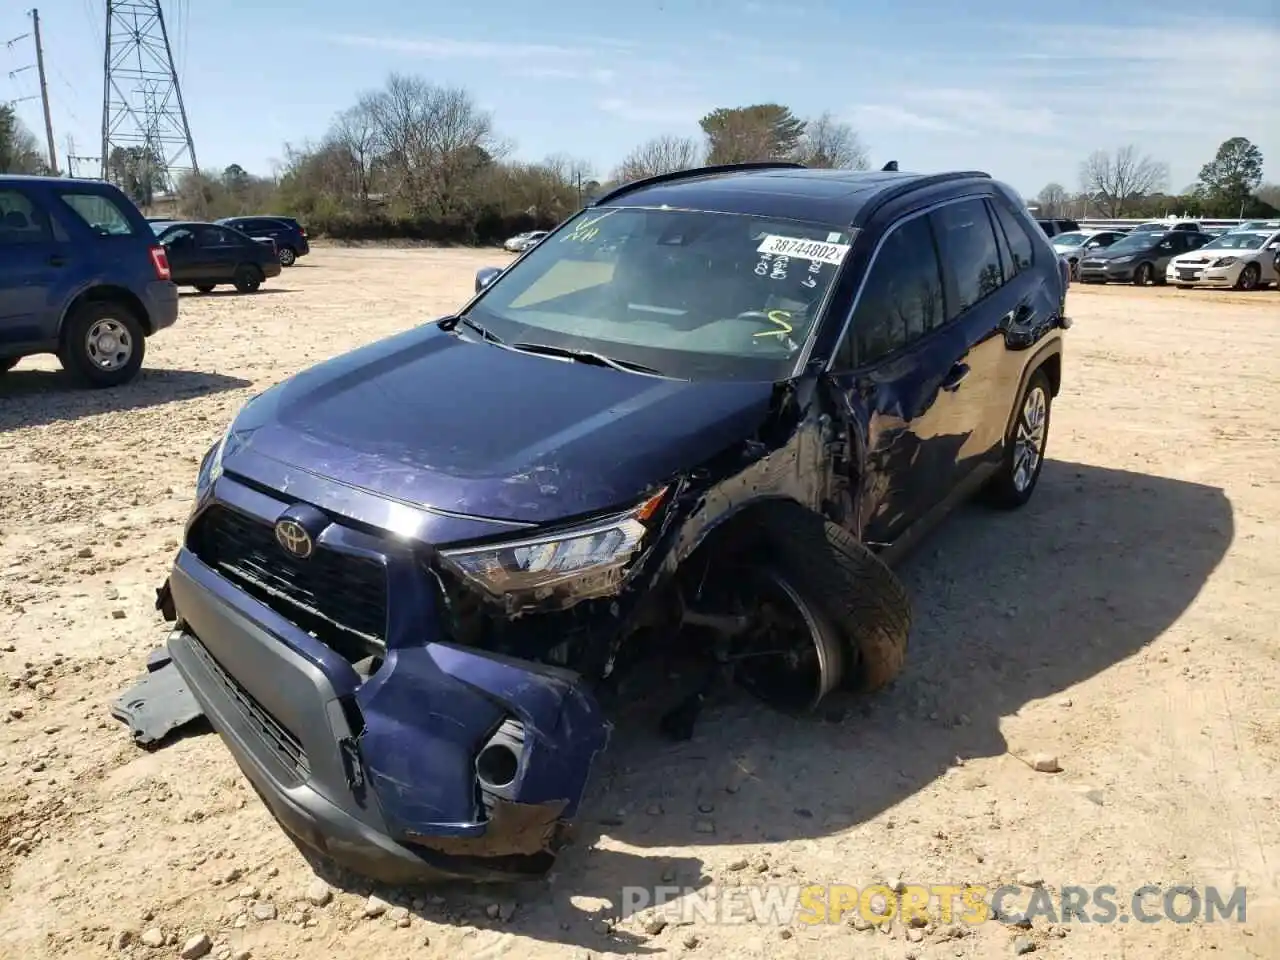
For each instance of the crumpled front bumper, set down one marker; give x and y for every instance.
(391, 776)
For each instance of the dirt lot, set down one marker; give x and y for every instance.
(1125, 622)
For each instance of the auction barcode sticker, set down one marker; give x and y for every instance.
(815, 250)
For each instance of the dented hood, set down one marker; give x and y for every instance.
(473, 428)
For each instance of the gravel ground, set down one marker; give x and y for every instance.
(1124, 623)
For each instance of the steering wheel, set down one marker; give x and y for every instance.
(778, 324)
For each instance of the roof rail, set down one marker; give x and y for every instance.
(696, 172)
(910, 186)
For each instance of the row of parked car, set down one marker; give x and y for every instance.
(85, 276)
(1182, 253)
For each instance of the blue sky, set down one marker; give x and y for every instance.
(1021, 90)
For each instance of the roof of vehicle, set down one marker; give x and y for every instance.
(35, 179)
(791, 191)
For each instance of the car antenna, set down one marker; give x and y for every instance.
(890, 167)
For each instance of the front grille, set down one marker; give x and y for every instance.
(338, 598)
(275, 736)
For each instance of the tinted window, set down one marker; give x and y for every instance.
(1016, 236)
(102, 214)
(901, 298)
(20, 221)
(970, 256)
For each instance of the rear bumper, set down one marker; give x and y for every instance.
(271, 268)
(161, 301)
(381, 774)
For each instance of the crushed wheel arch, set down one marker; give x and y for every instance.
(852, 586)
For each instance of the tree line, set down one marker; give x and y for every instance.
(1127, 183)
(415, 160)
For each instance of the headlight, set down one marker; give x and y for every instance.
(1121, 259)
(1224, 262)
(211, 466)
(591, 557)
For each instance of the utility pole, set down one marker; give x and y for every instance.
(44, 92)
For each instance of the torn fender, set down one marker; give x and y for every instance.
(429, 711)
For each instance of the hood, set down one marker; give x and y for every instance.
(472, 428)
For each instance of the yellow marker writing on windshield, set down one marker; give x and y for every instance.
(782, 319)
(586, 230)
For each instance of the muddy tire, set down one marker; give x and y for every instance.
(852, 588)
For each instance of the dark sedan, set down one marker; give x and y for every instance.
(1139, 258)
(203, 255)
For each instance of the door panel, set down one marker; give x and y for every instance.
(902, 374)
(32, 266)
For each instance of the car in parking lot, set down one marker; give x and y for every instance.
(1241, 259)
(289, 235)
(757, 386)
(523, 241)
(204, 255)
(1075, 244)
(1139, 257)
(82, 276)
(1054, 227)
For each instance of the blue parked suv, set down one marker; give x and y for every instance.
(698, 420)
(81, 276)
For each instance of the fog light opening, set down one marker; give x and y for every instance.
(497, 766)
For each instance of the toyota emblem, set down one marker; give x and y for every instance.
(294, 539)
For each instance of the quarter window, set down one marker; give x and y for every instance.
(902, 297)
(101, 213)
(968, 244)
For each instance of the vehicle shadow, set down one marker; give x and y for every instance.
(234, 293)
(31, 398)
(1009, 608)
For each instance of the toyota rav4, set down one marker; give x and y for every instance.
(701, 418)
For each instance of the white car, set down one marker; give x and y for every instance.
(523, 241)
(1245, 260)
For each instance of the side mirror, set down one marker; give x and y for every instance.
(486, 276)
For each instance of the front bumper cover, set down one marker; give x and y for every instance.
(381, 774)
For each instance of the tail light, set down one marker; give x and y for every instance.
(302, 230)
(160, 262)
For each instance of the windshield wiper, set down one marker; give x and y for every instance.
(585, 356)
(449, 323)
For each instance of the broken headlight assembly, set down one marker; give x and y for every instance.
(574, 563)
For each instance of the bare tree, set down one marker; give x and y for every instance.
(356, 130)
(1115, 180)
(1052, 200)
(827, 142)
(659, 155)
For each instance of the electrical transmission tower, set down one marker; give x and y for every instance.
(144, 121)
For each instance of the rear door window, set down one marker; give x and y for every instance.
(1019, 241)
(21, 221)
(970, 253)
(100, 213)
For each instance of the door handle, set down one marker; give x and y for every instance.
(956, 377)
(57, 260)
(1018, 316)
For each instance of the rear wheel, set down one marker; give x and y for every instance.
(1024, 447)
(247, 278)
(103, 344)
(205, 287)
(287, 256)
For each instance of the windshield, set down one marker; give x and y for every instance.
(1238, 241)
(690, 294)
(1070, 239)
(1136, 241)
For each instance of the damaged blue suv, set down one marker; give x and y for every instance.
(699, 420)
